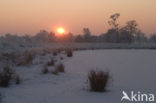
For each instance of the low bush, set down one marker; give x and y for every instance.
(17, 79)
(98, 80)
(54, 53)
(44, 70)
(69, 53)
(59, 50)
(25, 58)
(51, 63)
(60, 68)
(29, 58)
(5, 76)
(61, 58)
(55, 72)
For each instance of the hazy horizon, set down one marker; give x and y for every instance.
(29, 17)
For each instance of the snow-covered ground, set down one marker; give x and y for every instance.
(130, 70)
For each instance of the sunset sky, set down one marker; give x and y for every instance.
(30, 16)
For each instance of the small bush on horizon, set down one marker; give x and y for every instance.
(98, 80)
(60, 68)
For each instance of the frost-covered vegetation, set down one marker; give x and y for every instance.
(124, 66)
(98, 80)
(65, 79)
(19, 66)
(7, 73)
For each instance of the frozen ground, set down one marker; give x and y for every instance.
(14, 46)
(130, 70)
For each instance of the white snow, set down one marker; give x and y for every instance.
(130, 70)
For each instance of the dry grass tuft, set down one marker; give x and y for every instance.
(60, 68)
(98, 80)
(44, 70)
(51, 63)
(5, 76)
(69, 53)
(17, 79)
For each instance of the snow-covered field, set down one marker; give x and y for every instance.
(130, 70)
(14, 46)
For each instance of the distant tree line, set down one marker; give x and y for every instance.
(129, 33)
(117, 34)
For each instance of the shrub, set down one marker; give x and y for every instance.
(5, 76)
(55, 72)
(61, 58)
(29, 58)
(44, 70)
(25, 58)
(55, 53)
(59, 50)
(69, 53)
(51, 63)
(9, 56)
(60, 68)
(17, 79)
(98, 80)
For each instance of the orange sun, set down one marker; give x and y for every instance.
(60, 30)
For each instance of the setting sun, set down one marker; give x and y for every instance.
(60, 30)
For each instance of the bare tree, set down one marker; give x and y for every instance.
(131, 27)
(113, 34)
(113, 21)
(153, 38)
(140, 37)
(87, 34)
(79, 38)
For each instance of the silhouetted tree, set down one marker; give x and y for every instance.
(153, 38)
(44, 36)
(70, 37)
(113, 21)
(79, 38)
(140, 37)
(27, 39)
(101, 38)
(66, 38)
(131, 27)
(129, 32)
(87, 34)
(112, 36)
(125, 36)
(52, 36)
